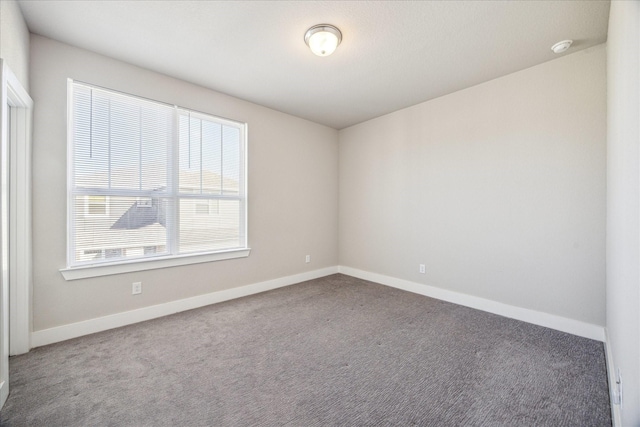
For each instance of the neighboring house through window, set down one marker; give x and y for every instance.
(145, 178)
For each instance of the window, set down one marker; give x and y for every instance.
(96, 205)
(143, 178)
(202, 208)
(144, 202)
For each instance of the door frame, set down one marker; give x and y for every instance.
(15, 185)
(20, 272)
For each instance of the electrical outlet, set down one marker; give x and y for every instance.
(136, 288)
(307, 259)
(422, 269)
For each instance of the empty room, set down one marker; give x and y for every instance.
(319, 213)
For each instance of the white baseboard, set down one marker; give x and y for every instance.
(74, 330)
(559, 323)
(616, 416)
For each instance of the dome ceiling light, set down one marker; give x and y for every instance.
(323, 39)
(561, 46)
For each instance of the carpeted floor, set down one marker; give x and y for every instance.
(328, 352)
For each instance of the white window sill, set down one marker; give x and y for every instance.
(84, 272)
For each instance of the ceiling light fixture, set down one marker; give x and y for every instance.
(323, 39)
(561, 46)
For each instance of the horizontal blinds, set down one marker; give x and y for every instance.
(210, 182)
(120, 142)
(148, 179)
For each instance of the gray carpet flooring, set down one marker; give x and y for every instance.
(328, 352)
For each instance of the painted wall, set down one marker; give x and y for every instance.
(623, 202)
(293, 192)
(14, 40)
(498, 189)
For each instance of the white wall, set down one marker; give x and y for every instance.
(499, 189)
(14, 40)
(623, 202)
(293, 191)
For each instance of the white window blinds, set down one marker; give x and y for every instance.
(151, 180)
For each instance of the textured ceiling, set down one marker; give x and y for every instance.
(393, 54)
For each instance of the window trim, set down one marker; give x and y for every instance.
(151, 263)
(79, 271)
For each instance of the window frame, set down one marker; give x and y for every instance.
(76, 270)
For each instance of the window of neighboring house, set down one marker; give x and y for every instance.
(145, 176)
(202, 208)
(150, 250)
(144, 202)
(96, 205)
(208, 207)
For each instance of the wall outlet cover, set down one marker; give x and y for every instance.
(136, 288)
